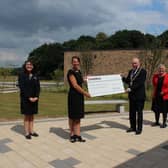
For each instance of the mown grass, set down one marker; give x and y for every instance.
(50, 105)
(53, 103)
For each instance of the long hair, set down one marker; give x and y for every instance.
(24, 67)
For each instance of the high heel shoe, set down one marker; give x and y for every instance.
(73, 138)
(28, 136)
(80, 139)
(34, 134)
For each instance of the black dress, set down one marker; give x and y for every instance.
(162, 105)
(29, 87)
(75, 99)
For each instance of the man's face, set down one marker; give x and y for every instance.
(135, 63)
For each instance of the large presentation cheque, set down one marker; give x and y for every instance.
(101, 85)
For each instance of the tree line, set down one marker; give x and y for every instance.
(48, 58)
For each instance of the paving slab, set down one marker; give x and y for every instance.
(107, 144)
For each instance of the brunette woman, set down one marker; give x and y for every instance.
(29, 96)
(75, 100)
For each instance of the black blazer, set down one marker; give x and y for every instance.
(137, 86)
(28, 87)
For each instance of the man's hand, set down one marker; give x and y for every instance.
(128, 90)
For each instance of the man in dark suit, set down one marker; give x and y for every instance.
(136, 93)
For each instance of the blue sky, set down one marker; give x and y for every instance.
(25, 25)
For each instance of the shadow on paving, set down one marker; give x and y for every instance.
(18, 129)
(145, 122)
(60, 132)
(153, 158)
(64, 133)
(113, 124)
(148, 122)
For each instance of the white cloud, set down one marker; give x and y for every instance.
(7, 56)
(28, 24)
(10, 57)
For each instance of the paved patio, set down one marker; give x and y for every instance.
(107, 144)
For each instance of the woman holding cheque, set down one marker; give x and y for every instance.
(75, 100)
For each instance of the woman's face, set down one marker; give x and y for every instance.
(162, 70)
(75, 63)
(29, 66)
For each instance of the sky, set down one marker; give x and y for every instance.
(27, 24)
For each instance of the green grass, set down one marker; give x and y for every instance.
(52, 104)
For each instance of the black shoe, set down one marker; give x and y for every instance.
(80, 139)
(163, 126)
(138, 132)
(155, 124)
(28, 136)
(130, 130)
(73, 138)
(34, 134)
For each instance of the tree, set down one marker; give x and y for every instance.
(69, 45)
(85, 43)
(164, 38)
(58, 76)
(86, 62)
(151, 57)
(101, 37)
(47, 58)
(127, 39)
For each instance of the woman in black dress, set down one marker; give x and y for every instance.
(75, 100)
(29, 95)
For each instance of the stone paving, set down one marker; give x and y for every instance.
(107, 144)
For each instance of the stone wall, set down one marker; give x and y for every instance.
(105, 62)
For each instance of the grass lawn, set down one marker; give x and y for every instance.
(52, 104)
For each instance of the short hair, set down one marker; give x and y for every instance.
(161, 65)
(75, 57)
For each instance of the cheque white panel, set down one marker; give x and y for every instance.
(101, 85)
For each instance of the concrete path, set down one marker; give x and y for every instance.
(107, 144)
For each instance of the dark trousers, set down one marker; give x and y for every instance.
(136, 114)
(160, 106)
(157, 116)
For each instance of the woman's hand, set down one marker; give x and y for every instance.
(87, 95)
(161, 93)
(85, 78)
(33, 99)
(128, 90)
